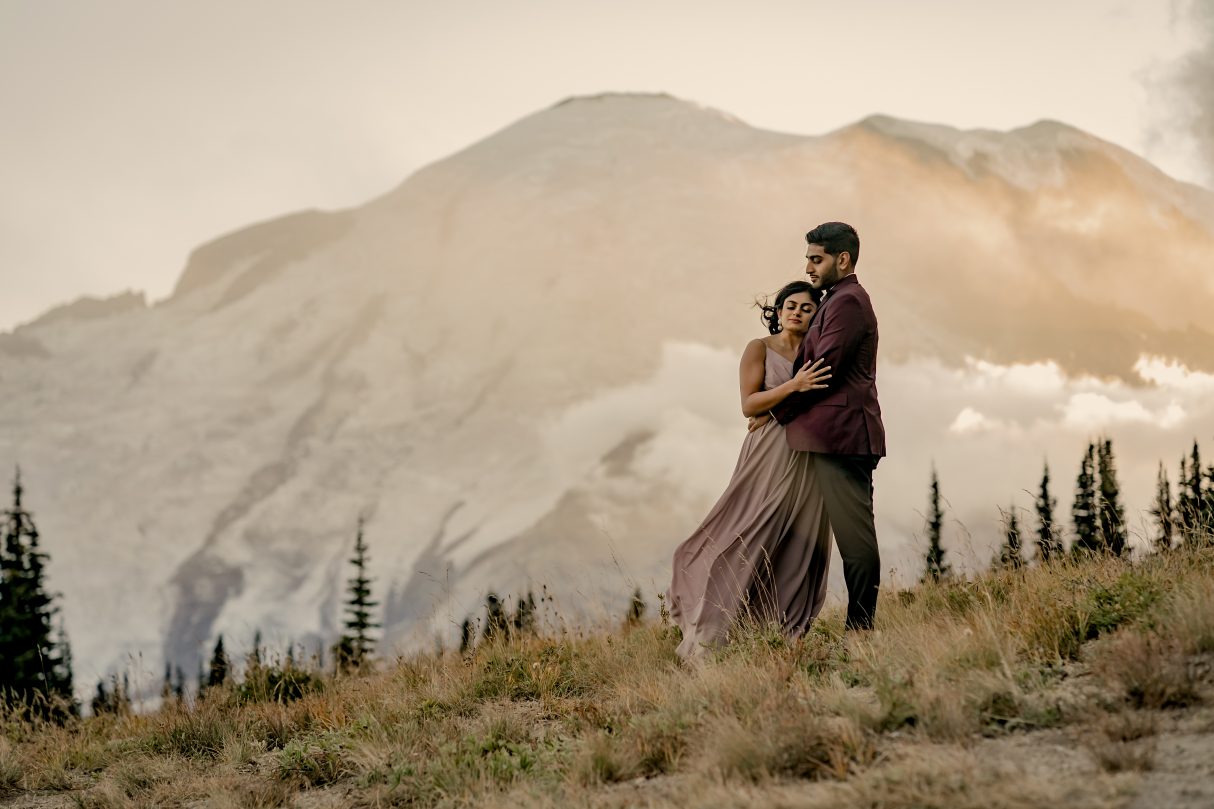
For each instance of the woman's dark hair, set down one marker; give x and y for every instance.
(771, 311)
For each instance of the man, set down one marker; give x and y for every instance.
(841, 425)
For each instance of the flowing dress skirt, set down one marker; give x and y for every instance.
(763, 551)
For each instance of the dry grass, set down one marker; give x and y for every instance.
(1124, 742)
(612, 718)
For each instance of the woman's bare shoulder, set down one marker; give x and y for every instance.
(756, 347)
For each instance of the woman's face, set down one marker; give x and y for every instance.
(798, 308)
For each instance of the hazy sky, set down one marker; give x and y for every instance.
(134, 131)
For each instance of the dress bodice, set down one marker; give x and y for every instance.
(776, 370)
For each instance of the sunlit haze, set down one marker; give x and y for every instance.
(135, 131)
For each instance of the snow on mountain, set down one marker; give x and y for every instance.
(519, 364)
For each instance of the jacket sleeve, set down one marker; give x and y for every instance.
(843, 329)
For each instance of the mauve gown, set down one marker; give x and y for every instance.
(764, 548)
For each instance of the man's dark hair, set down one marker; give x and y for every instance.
(836, 238)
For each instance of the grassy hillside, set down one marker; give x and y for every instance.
(1079, 685)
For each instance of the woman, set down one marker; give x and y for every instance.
(763, 550)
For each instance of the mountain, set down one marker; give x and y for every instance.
(519, 365)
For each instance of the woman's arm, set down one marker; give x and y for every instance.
(751, 371)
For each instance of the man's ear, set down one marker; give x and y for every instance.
(844, 260)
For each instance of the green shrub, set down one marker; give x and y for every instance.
(315, 760)
(1130, 598)
(280, 684)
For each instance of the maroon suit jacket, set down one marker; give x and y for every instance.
(844, 418)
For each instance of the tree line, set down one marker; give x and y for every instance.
(1097, 514)
(36, 677)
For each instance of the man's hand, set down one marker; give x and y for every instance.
(756, 422)
(811, 377)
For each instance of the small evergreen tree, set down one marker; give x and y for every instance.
(935, 568)
(35, 669)
(220, 665)
(1184, 506)
(1113, 532)
(122, 694)
(524, 615)
(101, 700)
(1010, 556)
(466, 635)
(1207, 510)
(1196, 490)
(66, 677)
(1161, 511)
(1195, 519)
(115, 700)
(636, 609)
(355, 646)
(253, 661)
(1049, 545)
(497, 624)
(1084, 512)
(1207, 504)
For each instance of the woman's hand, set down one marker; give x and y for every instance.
(756, 422)
(811, 377)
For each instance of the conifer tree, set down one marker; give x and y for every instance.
(1049, 545)
(465, 636)
(1113, 530)
(254, 659)
(1184, 506)
(1198, 519)
(122, 694)
(1161, 510)
(1084, 511)
(166, 688)
(524, 615)
(355, 646)
(497, 624)
(101, 700)
(65, 676)
(220, 665)
(115, 700)
(1207, 504)
(1010, 555)
(35, 670)
(935, 568)
(636, 609)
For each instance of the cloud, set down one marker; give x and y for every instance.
(1037, 377)
(1173, 375)
(970, 420)
(1187, 121)
(1095, 411)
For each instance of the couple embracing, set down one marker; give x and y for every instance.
(806, 466)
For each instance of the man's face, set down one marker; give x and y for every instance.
(823, 269)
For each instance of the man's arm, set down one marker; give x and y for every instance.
(843, 331)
